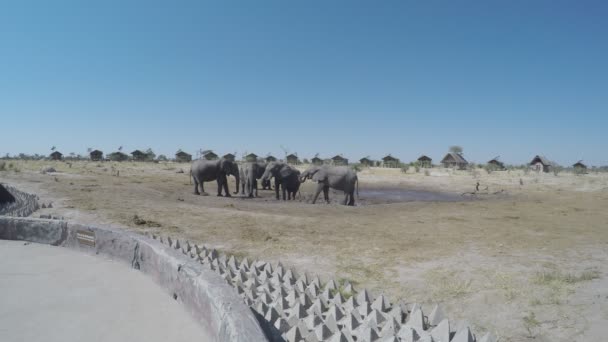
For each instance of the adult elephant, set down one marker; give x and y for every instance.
(283, 175)
(250, 173)
(340, 178)
(214, 170)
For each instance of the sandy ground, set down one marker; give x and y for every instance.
(52, 294)
(526, 263)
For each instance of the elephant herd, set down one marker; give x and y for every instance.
(287, 179)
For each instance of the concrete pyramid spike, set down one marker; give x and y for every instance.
(377, 317)
(292, 297)
(364, 296)
(288, 275)
(319, 305)
(463, 335)
(416, 320)
(350, 304)
(272, 315)
(341, 336)
(259, 264)
(266, 287)
(327, 294)
(367, 334)
(316, 281)
(331, 285)
(334, 310)
(213, 254)
(239, 289)
(489, 337)
(322, 332)
(279, 291)
(304, 278)
(397, 313)
(305, 300)
(381, 303)
(338, 299)
(415, 307)
(292, 321)
(188, 246)
(177, 245)
(302, 326)
(352, 321)
(154, 236)
(298, 311)
(169, 241)
(300, 285)
(259, 306)
(279, 270)
(364, 309)
(390, 328)
(389, 339)
(441, 333)
(348, 287)
(268, 268)
(311, 337)
(408, 334)
(332, 324)
(313, 290)
(436, 316)
(281, 325)
(312, 321)
(294, 335)
(244, 264)
(281, 305)
(264, 297)
(232, 263)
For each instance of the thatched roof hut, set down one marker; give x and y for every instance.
(138, 155)
(96, 155)
(292, 159)
(541, 163)
(251, 157)
(339, 160)
(425, 161)
(390, 161)
(496, 164)
(454, 160)
(229, 156)
(271, 159)
(316, 161)
(117, 156)
(366, 161)
(56, 155)
(210, 155)
(183, 157)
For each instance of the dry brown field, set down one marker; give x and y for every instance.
(523, 261)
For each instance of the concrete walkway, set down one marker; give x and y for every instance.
(55, 294)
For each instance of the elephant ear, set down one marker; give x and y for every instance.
(285, 172)
(319, 176)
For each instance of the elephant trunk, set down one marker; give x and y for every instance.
(238, 182)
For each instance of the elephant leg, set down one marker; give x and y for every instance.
(326, 193)
(276, 187)
(351, 202)
(225, 185)
(255, 186)
(203, 189)
(219, 186)
(320, 187)
(196, 192)
(345, 198)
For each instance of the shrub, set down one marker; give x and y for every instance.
(556, 169)
(427, 172)
(404, 168)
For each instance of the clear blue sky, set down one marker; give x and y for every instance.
(508, 78)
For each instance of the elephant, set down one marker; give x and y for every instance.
(283, 175)
(266, 185)
(336, 177)
(210, 170)
(250, 173)
(292, 185)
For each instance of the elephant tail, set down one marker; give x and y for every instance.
(357, 188)
(190, 177)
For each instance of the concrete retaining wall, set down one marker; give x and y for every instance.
(203, 292)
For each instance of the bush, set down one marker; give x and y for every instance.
(404, 168)
(2, 166)
(556, 169)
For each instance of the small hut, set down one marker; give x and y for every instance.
(271, 159)
(316, 161)
(366, 162)
(339, 160)
(183, 157)
(251, 157)
(292, 159)
(209, 155)
(117, 156)
(390, 161)
(540, 163)
(96, 155)
(454, 160)
(56, 155)
(496, 164)
(579, 167)
(425, 161)
(138, 155)
(229, 156)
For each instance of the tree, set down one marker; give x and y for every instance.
(456, 149)
(150, 155)
(162, 157)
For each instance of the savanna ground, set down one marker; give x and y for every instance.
(527, 264)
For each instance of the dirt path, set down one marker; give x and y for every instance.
(527, 263)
